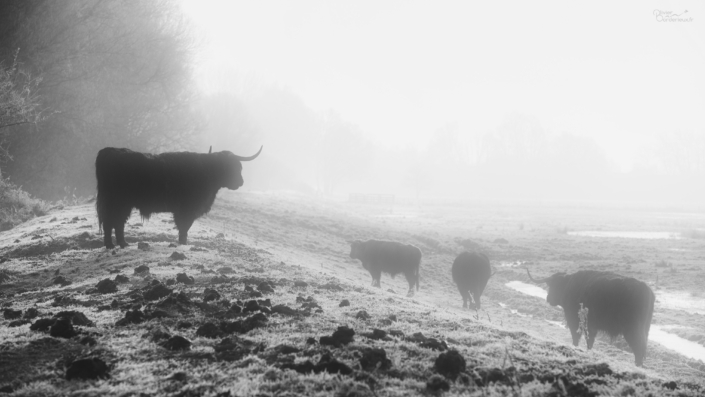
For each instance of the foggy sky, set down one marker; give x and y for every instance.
(402, 69)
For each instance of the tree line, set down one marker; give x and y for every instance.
(80, 75)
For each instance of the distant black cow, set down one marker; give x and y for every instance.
(616, 305)
(388, 257)
(471, 271)
(183, 183)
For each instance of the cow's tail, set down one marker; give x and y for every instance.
(418, 275)
(98, 207)
(102, 178)
(649, 311)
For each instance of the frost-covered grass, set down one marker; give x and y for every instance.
(284, 240)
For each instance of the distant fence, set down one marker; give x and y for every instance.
(380, 199)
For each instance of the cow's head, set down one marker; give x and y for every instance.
(355, 249)
(557, 284)
(230, 168)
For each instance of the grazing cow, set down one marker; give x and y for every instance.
(388, 257)
(183, 183)
(616, 305)
(471, 271)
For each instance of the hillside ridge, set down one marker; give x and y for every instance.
(235, 314)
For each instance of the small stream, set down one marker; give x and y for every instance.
(641, 235)
(676, 343)
(527, 289)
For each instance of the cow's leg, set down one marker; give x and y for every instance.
(592, 333)
(637, 342)
(466, 296)
(376, 276)
(411, 279)
(571, 317)
(114, 217)
(120, 235)
(183, 223)
(576, 336)
(108, 234)
(122, 217)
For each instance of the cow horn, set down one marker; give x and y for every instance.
(541, 280)
(251, 157)
(210, 149)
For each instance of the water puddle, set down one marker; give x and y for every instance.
(641, 235)
(680, 301)
(527, 289)
(511, 264)
(396, 216)
(556, 323)
(676, 343)
(519, 314)
(516, 312)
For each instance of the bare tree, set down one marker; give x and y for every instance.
(18, 102)
(18, 97)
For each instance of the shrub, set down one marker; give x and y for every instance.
(17, 206)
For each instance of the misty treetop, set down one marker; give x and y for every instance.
(18, 97)
(114, 73)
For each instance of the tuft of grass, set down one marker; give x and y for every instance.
(662, 263)
(17, 206)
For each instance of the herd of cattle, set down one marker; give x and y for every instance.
(615, 304)
(185, 184)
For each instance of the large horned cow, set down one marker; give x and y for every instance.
(615, 304)
(388, 257)
(183, 183)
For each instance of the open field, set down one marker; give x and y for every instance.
(297, 246)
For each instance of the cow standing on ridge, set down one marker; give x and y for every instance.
(471, 271)
(183, 183)
(389, 257)
(616, 305)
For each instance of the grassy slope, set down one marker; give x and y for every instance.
(285, 239)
